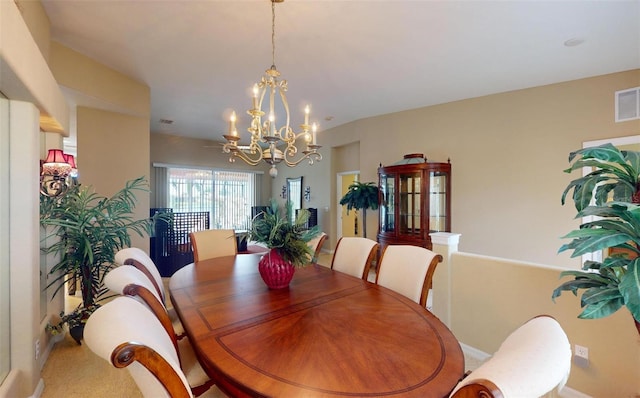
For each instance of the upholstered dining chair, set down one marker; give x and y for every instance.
(316, 246)
(129, 281)
(532, 361)
(408, 270)
(354, 255)
(211, 243)
(141, 260)
(138, 258)
(125, 333)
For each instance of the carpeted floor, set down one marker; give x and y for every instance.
(74, 371)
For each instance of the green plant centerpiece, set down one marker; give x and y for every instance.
(609, 196)
(287, 242)
(88, 230)
(362, 196)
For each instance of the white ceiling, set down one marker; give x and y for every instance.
(348, 59)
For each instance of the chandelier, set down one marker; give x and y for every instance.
(269, 142)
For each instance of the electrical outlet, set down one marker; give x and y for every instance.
(37, 349)
(581, 351)
(581, 356)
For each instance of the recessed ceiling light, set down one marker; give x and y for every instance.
(576, 41)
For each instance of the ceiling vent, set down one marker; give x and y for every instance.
(628, 104)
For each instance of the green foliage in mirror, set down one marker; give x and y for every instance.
(614, 171)
(609, 194)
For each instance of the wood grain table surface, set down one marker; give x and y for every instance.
(327, 335)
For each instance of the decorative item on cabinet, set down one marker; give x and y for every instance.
(415, 201)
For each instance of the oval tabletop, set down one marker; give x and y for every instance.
(328, 334)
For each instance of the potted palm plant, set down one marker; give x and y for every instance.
(362, 195)
(609, 193)
(89, 229)
(287, 242)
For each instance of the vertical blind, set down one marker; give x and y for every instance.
(227, 195)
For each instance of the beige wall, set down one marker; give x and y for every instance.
(103, 87)
(317, 177)
(507, 153)
(113, 133)
(24, 74)
(38, 23)
(491, 297)
(112, 149)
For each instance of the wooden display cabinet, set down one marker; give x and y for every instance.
(415, 201)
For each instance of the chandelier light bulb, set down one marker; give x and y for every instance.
(255, 96)
(232, 124)
(314, 128)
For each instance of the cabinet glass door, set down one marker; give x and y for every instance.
(387, 209)
(409, 204)
(437, 202)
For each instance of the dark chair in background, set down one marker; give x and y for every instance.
(170, 245)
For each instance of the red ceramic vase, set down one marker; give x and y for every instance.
(275, 271)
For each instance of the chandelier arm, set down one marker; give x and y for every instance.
(285, 104)
(236, 152)
(312, 156)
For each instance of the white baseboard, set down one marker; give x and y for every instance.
(52, 342)
(568, 392)
(474, 352)
(39, 389)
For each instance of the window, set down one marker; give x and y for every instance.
(227, 195)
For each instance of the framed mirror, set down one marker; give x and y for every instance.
(629, 143)
(294, 193)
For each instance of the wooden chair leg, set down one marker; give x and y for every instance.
(202, 388)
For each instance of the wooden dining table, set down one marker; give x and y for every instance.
(327, 335)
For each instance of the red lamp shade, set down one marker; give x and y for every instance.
(55, 156)
(71, 160)
(56, 164)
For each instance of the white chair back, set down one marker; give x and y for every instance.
(408, 270)
(354, 255)
(118, 278)
(315, 245)
(533, 361)
(124, 320)
(211, 243)
(143, 259)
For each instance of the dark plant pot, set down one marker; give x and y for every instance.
(275, 272)
(241, 242)
(77, 332)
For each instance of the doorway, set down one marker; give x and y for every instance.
(348, 224)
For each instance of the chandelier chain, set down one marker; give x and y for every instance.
(273, 34)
